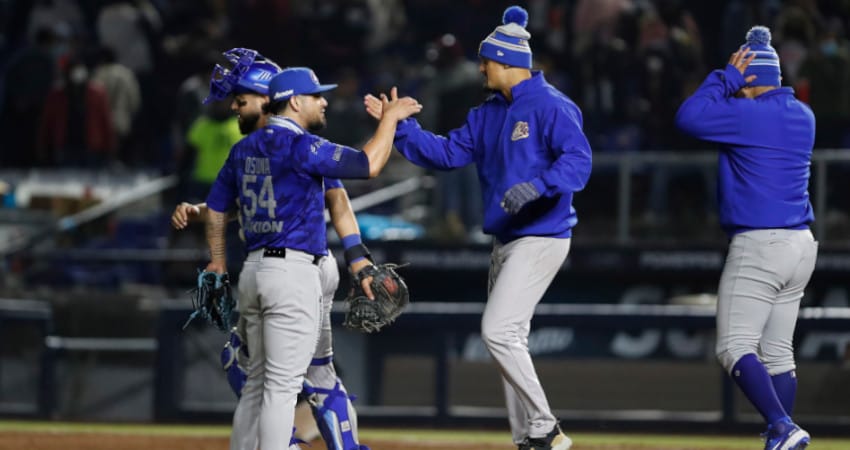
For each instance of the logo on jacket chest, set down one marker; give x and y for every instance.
(520, 131)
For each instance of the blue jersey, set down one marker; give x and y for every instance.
(766, 150)
(276, 176)
(537, 137)
(333, 183)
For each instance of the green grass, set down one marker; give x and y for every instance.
(420, 435)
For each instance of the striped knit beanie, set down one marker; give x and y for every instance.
(765, 66)
(508, 43)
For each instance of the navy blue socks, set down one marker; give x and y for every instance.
(751, 376)
(785, 385)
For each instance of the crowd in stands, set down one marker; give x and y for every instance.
(108, 83)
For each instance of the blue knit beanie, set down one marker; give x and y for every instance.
(765, 66)
(508, 43)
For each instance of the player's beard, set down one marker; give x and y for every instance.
(317, 124)
(248, 122)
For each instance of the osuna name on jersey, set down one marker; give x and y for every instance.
(257, 166)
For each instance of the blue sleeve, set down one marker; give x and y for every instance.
(333, 183)
(321, 157)
(571, 169)
(712, 113)
(432, 151)
(223, 193)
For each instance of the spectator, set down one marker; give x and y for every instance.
(76, 127)
(122, 91)
(670, 52)
(826, 75)
(128, 28)
(188, 105)
(347, 122)
(208, 143)
(454, 88)
(796, 36)
(132, 29)
(28, 79)
(52, 13)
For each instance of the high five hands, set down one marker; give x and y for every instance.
(399, 108)
(741, 60)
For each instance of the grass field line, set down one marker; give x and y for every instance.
(454, 436)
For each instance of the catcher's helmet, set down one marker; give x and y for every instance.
(250, 72)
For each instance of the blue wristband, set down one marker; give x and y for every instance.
(351, 240)
(354, 249)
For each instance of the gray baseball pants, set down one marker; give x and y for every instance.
(758, 300)
(280, 302)
(520, 273)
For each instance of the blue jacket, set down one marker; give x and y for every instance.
(766, 150)
(537, 137)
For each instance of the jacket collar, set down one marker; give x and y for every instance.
(525, 87)
(782, 90)
(285, 122)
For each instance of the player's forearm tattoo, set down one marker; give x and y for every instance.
(215, 235)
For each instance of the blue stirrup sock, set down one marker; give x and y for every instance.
(752, 377)
(785, 385)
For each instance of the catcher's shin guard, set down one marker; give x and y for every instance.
(230, 361)
(335, 416)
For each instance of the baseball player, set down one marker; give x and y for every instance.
(766, 138)
(327, 396)
(275, 177)
(531, 155)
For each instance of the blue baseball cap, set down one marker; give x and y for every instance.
(295, 81)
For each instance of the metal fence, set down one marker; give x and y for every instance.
(829, 167)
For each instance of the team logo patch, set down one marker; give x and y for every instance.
(520, 131)
(314, 148)
(337, 153)
(314, 77)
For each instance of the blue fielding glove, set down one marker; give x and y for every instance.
(518, 196)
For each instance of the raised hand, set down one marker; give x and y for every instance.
(373, 106)
(741, 60)
(397, 108)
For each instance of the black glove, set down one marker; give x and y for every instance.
(518, 196)
(391, 296)
(213, 300)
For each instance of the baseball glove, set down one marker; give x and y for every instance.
(213, 300)
(391, 296)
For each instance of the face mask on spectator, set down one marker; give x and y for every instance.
(829, 48)
(78, 74)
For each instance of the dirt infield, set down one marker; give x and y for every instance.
(23, 436)
(99, 441)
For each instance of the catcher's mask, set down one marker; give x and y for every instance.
(250, 72)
